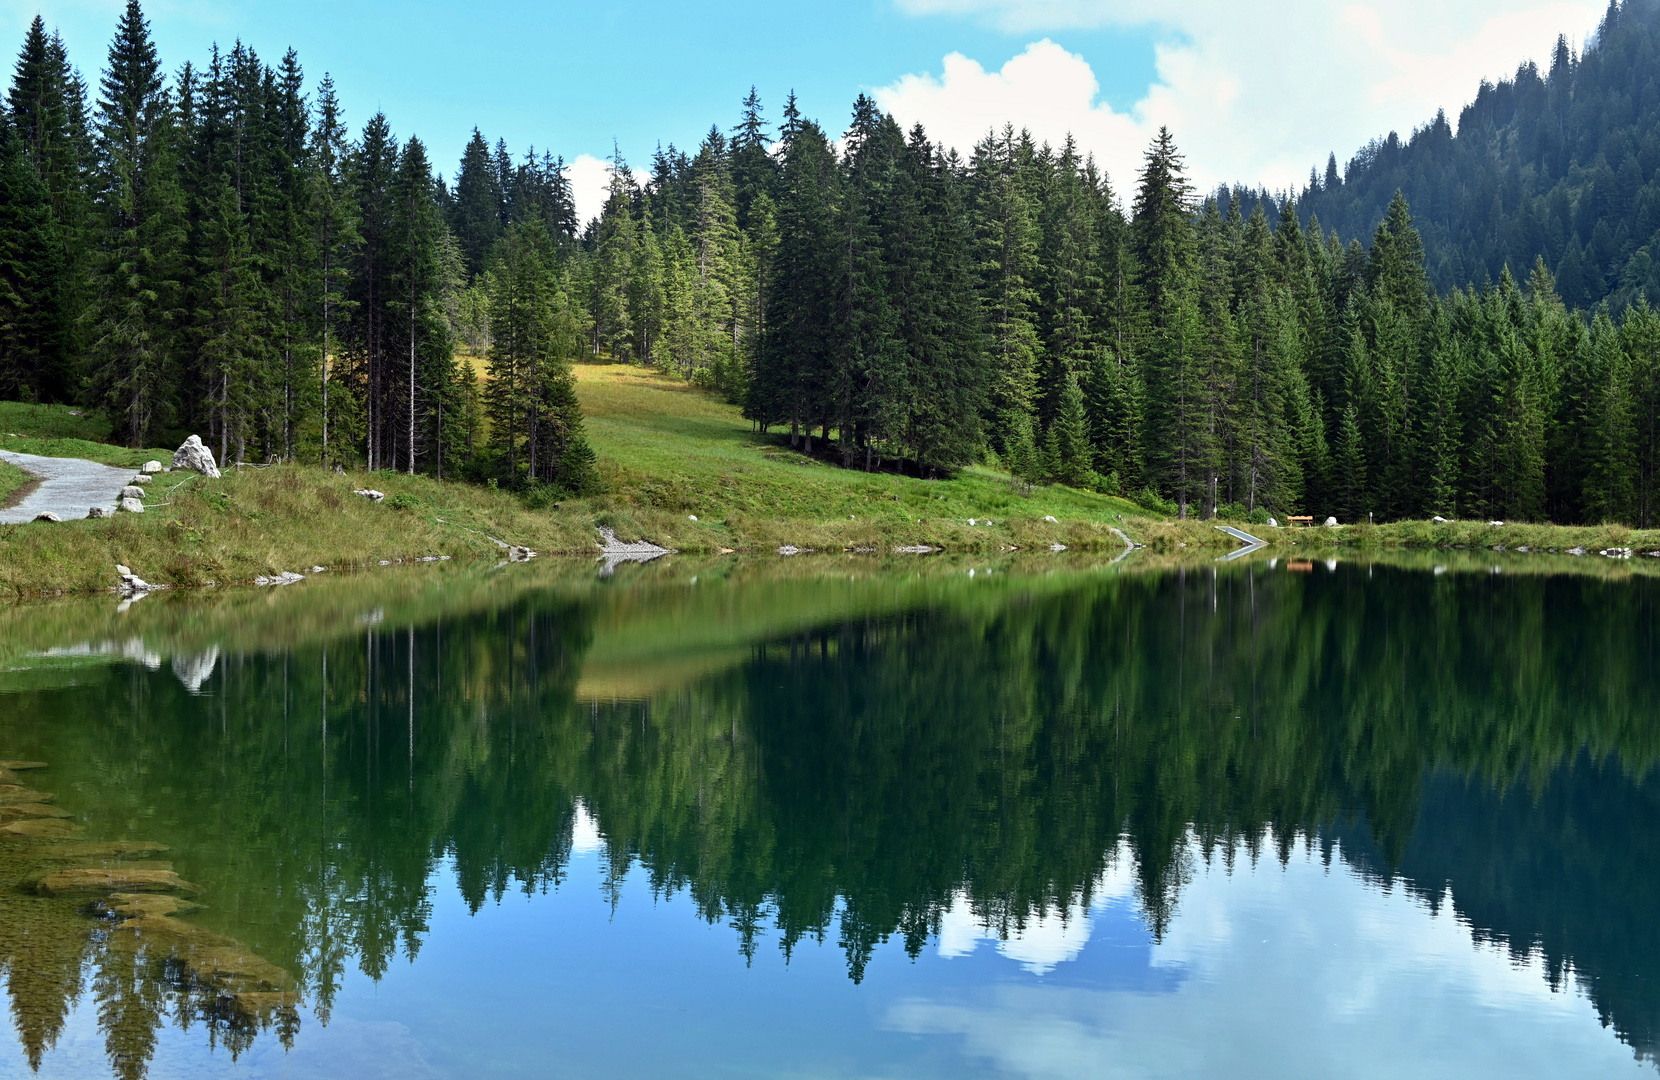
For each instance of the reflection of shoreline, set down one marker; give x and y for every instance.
(49, 642)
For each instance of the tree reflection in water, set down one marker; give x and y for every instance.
(855, 775)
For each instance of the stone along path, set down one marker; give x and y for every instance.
(70, 487)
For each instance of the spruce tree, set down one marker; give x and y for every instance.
(1070, 458)
(1350, 482)
(476, 216)
(418, 329)
(48, 110)
(31, 280)
(1008, 240)
(1610, 493)
(1178, 408)
(1640, 331)
(616, 252)
(790, 380)
(334, 238)
(140, 215)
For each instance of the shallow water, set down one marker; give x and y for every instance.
(842, 817)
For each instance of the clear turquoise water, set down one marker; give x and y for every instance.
(838, 819)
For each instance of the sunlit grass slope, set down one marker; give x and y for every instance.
(669, 452)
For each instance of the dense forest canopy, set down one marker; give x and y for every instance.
(216, 251)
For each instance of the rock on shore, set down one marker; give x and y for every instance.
(193, 455)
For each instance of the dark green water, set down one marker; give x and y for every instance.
(842, 819)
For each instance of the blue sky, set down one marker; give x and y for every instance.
(1253, 93)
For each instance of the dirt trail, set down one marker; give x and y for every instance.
(69, 486)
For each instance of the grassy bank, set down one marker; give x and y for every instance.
(1448, 536)
(14, 483)
(681, 468)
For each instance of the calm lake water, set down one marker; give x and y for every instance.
(842, 817)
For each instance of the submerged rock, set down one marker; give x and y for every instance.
(113, 879)
(136, 905)
(214, 958)
(260, 1004)
(105, 849)
(14, 811)
(42, 828)
(12, 793)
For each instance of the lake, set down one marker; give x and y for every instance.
(841, 817)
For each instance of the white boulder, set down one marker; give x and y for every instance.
(1331, 521)
(193, 455)
(152, 467)
(371, 494)
(47, 515)
(132, 506)
(132, 492)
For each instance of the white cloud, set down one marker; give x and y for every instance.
(590, 184)
(1250, 95)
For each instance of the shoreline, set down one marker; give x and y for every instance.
(263, 522)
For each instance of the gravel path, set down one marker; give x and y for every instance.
(71, 486)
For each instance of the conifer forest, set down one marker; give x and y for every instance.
(1457, 323)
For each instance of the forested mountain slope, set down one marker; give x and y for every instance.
(1562, 164)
